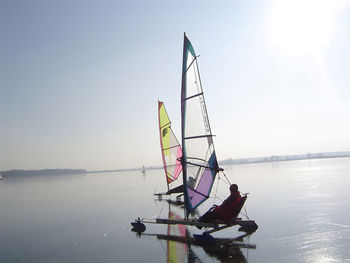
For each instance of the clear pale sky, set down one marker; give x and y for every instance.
(80, 80)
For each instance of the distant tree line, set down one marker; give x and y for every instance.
(42, 172)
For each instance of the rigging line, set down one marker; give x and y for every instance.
(161, 210)
(246, 214)
(219, 195)
(225, 181)
(161, 244)
(226, 177)
(217, 185)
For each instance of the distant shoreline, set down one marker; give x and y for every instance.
(230, 161)
(49, 172)
(283, 158)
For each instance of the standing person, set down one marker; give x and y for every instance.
(229, 209)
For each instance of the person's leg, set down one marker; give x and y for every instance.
(209, 216)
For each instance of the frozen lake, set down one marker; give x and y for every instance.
(301, 207)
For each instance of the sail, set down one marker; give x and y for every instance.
(199, 159)
(170, 147)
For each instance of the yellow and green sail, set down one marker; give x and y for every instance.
(170, 147)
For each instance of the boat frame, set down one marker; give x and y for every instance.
(213, 226)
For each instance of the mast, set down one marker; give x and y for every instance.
(183, 112)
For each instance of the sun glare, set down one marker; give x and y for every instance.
(301, 26)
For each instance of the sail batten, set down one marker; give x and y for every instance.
(203, 166)
(169, 149)
(199, 94)
(189, 66)
(199, 136)
(197, 142)
(165, 125)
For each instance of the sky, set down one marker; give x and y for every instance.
(80, 79)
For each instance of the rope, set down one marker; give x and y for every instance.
(245, 213)
(217, 185)
(226, 178)
(161, 209)
(162, 245)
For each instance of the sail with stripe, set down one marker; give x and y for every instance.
(199, 159)
(170, 147)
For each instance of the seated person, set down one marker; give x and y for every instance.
(228, 210)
